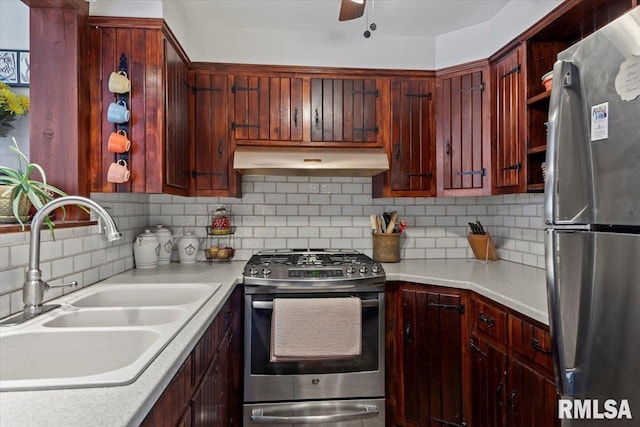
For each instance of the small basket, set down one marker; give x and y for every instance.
(482, 246)
(386, 247)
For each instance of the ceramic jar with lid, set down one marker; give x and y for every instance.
(165, 236)
(146, 250)
(221, 221)
(188, 246)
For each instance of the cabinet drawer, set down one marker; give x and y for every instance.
(530, 342)
(489, 319)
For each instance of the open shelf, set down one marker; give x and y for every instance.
(544, 96)
(538, 149)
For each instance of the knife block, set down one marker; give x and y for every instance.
(482, 246)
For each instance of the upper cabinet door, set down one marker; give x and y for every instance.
(266, 108)
(344, 110)
(213, 174)
(508, 147)
(463, 151)
(176, 162)
(412, 161)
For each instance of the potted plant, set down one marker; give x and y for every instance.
(12, 106)
(19, 190)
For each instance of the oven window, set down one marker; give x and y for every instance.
(261, 334)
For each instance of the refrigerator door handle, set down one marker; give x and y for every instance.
(562, 79)
(555, 324)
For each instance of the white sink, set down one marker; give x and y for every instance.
(142, 296)
(103, 335)
(66, 355)
(129, 316)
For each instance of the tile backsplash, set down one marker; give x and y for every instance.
(278, 212)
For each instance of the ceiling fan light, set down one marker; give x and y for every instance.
(357, 1)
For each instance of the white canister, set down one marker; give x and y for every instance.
(165, 236)
(146, 250)
(188, 246)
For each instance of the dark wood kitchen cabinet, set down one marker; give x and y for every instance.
(207, 389)
(512, 380)
(345, 110)
(412, 140)
(429, 332)
(212, 155)
(508, 121)
(463, 147)
(488, 382)
(266, 108)
(158, 102)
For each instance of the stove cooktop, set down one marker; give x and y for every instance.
(312, 267)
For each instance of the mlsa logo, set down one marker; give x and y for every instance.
(586, 409)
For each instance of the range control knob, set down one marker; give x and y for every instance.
(253, 271)
(363, 269)
(266, 271)
(351, 270)
(375, 269)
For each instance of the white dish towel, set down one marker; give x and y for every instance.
(316, 328)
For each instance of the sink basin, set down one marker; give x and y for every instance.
(103, 335)
(142, 296)
(67, 354)
(146, 316)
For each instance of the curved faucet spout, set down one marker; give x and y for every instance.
(33, 289)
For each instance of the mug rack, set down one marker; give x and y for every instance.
(124, 67)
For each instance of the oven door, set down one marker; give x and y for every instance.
(345, 413)
(356, 377)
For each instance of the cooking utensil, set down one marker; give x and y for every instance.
(480, 228)
(474, 229)
(392, 222)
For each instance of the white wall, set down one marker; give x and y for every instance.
(14, 34)
(482, 40)
(311, 47)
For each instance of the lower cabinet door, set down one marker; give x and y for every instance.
(533, 400)
(488, 384)
(431, 359)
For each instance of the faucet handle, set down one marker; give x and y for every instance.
(61, 285)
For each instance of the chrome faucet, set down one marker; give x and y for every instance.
(34, 287)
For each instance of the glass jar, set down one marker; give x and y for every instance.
(221, 221)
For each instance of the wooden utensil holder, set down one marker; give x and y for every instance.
(482, 246)
(386, 247)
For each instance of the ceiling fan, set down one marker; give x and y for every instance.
(351, 9)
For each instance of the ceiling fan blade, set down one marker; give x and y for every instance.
(351, 9)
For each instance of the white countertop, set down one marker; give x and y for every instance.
(517, 286)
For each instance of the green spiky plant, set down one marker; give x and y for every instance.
(21, 185)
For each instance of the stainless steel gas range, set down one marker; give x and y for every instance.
(314, 338)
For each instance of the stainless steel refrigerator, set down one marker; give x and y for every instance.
(592, 215)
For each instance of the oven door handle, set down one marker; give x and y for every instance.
(363, 411)
(268, 305)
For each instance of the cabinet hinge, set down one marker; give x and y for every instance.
(366, 92)
(476, 348)
(515, 69)
(419, 175)
(195, 89)
(196, 173)
(373, 129)
(448, 423)
(482, 172)
(515, 167)
(235, 89)
(419, 95)
(457, 307)
(235, 125)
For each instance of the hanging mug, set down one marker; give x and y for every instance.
(119, 142)
(118, 113)
(119, 82)
(118, 172)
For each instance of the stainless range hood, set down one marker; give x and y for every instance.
(310, 161)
